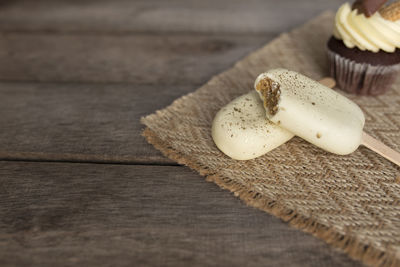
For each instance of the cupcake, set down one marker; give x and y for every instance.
(363, 53)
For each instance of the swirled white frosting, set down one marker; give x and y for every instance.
(373, 33)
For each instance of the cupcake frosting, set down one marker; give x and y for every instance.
(373, 33)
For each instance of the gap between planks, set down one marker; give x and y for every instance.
(122, 33)
(103, 162)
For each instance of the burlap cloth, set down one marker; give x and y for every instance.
(351, 202)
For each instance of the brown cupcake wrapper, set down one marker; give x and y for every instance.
(361, 78)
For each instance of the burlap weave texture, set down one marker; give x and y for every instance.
(351, 202)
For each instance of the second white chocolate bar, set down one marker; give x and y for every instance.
(241, 130)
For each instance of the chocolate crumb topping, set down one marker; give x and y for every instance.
(368, 7)
(270, 90)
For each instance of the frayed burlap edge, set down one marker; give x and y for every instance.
(348, 244)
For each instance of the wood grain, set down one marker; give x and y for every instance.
(56, 214)
(140, 59)
(207, 16)
(80, 122)
(96, 122)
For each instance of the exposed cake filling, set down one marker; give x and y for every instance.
(270, 91)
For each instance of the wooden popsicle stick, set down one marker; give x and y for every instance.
(366, 139)
(328, 82)
(380, 148)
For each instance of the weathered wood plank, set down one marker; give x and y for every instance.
(139, 58)
(236, 16)
(56, 214)
(80, 122)
(99, 122)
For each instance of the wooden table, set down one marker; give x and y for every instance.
(79, 185)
